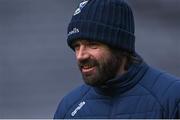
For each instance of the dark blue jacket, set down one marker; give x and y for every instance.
(143, 92)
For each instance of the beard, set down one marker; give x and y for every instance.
(105, 69)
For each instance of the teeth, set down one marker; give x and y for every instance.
(87, 66)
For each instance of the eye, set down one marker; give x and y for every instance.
(76, 46)
(93, 45)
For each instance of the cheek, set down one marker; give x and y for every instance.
(105, 55)
(100, 54)
(102, 58)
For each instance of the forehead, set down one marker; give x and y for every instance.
(81, 41)
(84, 41)
(90, 42)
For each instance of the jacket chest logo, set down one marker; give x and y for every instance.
(81, 104)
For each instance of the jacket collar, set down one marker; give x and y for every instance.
(124, 82)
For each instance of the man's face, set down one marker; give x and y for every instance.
(96, 62)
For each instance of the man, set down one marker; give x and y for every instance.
(118, 83)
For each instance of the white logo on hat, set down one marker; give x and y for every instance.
(73, 31)
(81, 5)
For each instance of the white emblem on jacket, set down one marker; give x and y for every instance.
(81, 104)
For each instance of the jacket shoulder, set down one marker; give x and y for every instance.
(164, 87)
(160, 83)
(69, 100)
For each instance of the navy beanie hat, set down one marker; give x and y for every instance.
(107, 21)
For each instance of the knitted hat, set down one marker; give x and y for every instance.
(107, 21)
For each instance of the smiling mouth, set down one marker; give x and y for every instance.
(87, 69)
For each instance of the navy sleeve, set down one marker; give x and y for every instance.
(60, 112)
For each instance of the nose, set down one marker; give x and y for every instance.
(82, 53)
